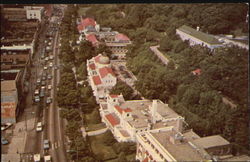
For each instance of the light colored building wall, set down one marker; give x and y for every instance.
(34, 12)
(194, 41)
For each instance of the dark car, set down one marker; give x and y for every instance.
(43, 83)
(4, 141)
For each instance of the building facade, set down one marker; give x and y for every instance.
(196, 37)
(100, 76)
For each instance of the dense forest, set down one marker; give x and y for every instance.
(199, 98)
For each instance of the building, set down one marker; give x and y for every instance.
(15, 59)
(196, 37)
(100, 76)
(167, 144)
(23, 13)
(92, 38)
(11, 90)
(117, 44)
(126, 118)
(33, 12)
(88, 26)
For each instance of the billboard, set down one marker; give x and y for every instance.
(8, 112)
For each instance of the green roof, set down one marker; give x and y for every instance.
(199, 35)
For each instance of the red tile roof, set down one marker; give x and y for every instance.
(97, 58)
(105, 71)
(113, 96)
(97, 80)
(121, 37)
(113, 121)
(91, 38)
(197, 72)
(127, 110)
(124, 133)
(119, 109)
(92, 66)
(80, 27)
(88, 22)
(146, 159)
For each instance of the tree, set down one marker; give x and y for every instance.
(166, 44)
(122, 157)
(103, 49)
(108, 138)
(123, 88)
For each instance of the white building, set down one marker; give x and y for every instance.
(34, 12)
(101, 76)
(126, 118)
(168, 144)
(196, 37)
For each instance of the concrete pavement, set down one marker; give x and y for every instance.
(158, 53)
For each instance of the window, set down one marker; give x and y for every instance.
(127, 114)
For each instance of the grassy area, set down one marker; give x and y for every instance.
(100, 149)
(93, 127)
(82, 11)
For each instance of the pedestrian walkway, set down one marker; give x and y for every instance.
(158, 53)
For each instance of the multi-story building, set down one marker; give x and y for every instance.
(88, 26)
(11, 90)
(168, 144)
(196, 37)
(126, 118)
(34, 12)
(117, 44)
(101, 76)
(20, 13)
(14, 59)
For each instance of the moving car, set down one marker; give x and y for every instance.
(38, 81)
(45, 67)
(49, 100)
(43, 83)
(46, 144)
(47, 158)
(37, 99)
(4, 141)
(49, 87)
(39, 127)
(49, 76)
(37, 92)
(5, 126)
(37, 157)
(50, 64)
(51, 57)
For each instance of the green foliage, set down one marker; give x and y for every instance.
(108, 138)
(123, 88)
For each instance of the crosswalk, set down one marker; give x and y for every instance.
(55, 145)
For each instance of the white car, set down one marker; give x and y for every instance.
(37, 92)
(51, 57)
(49, 87)
(39, 127)
(37, 99)
(46, 58)
(47, 158)
(37, 157)
(45, 67)
(50, 64)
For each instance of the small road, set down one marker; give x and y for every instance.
(155, 50)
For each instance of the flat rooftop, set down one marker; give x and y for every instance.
(142, 115)
(8, 76)
(211, 141)
(182, 151)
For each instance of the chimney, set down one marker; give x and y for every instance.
(154, 108)
(180, 123)
(198, 28)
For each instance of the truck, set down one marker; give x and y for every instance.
(37, 157)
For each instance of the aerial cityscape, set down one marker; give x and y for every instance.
(125, 82)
